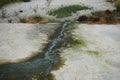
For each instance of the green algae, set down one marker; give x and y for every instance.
(5, 2)
(66, 11)
(73, 42)
(93, 52)
(51, 77)
(60, 64)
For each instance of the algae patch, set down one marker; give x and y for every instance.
(66, 11)
(93, 52)
(70, 41)
(51, 77)
(60, 63)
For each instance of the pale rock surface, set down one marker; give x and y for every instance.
(22, 41)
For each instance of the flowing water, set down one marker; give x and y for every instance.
(40, 66)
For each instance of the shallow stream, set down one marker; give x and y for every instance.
(39, 67)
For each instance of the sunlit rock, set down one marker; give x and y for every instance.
(22, 41)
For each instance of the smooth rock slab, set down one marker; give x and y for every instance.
(98, 60)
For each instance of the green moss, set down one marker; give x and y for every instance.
(117, 5)
(51, 77)
(66, 11)
(56, 67)
(92, 52)
(60, 63)
(4, 2)
(98, 13)
(72, 42)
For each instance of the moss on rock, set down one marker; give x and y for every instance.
(93, 52)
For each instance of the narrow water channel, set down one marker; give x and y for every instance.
(40, 66)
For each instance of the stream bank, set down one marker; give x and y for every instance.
(92, 53)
